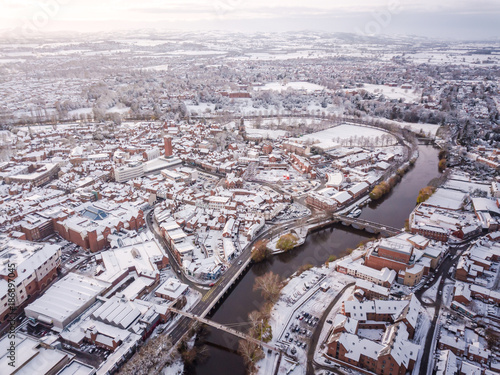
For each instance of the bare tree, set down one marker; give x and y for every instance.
(154, 354)
(269, 285)
(251, 353)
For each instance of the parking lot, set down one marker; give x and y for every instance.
(300, 330)
(293, 211)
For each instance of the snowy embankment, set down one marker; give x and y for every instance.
(303, 293)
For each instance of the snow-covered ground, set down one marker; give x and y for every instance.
(430, 294)
(177, 365)
(176, 368)
(266, 133)
(329, 138)
(278, 86)
(302, 294)
(415, 127)
(449, 56)
(423, 327)
(409, 95)
(77, 112)
(199, 109)
(118, 109)
(275, 175)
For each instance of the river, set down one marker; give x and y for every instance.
(392, 210)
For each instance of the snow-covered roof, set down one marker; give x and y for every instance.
(447, 199)
(446, 363)
(349, 325)
(67, 298)
(357, 346)
(171, 288)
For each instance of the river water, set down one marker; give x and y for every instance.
(392, 210)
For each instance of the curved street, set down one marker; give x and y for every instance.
(317, 333)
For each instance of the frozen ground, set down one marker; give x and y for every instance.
(409, 95)
(199, 109)
(430, 294)
(449, 56)
(302, 294)
(177, 366)
(423, 327)
(415, 127)
(278, 86)
(275, 175)
(291, 121)
(328, 139)
(266, 133)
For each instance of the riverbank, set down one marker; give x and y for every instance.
(310, 293)
(317, 248)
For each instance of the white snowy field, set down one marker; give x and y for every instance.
(282, 55)
(199, 109)
(277, 86)
(266, 133)
(415, 127)
(292, 121)
(409, 95)
(157, 67)
(449, 57)
(328, 139)
(269, 126)
(145, 42)
(121, 109)
(80, 111)
(195, 53)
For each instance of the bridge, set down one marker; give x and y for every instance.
(226, 329)
(215, 294)
(369, 226)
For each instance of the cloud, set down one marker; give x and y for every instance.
(256, 15)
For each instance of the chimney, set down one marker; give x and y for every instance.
(167, 140)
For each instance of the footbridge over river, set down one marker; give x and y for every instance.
(226, 329)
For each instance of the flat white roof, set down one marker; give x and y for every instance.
(77, 368)
(64, 299)
(446, 198)
(31, 358)
(172, 288)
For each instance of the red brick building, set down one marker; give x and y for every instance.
(36, 266)
(167, 140)
(393, 355)
(91, 227)
(396, 255)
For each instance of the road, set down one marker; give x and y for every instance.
(208, 295)
(317, 333)
(442, 272)
(174, 264)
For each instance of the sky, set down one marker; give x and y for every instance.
(447, 19)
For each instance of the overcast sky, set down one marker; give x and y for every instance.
(457, 19)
